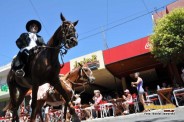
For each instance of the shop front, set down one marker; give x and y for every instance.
(114, 68)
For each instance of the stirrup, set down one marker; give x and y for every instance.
(20, 73)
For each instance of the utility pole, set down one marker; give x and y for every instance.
(104, 39)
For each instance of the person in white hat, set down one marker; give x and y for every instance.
(97, 97)
(97, 100)
(128, 99)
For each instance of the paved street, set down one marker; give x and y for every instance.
(153, 116)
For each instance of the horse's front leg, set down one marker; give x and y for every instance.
(34, 103)
(40, 104)
(13, 92)
(57, 85)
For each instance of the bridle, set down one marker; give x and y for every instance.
(82, 74)
(85, 75)
(66, 31)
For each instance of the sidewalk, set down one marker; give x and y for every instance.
(173, 115)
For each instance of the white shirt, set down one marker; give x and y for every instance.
(77, 101)
(47, 110)
(32, 42)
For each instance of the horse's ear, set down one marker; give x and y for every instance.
(62, 17)
(75, 23)
(80, 64)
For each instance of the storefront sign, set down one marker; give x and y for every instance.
(93, 60)
(4, 87)
(148, 45)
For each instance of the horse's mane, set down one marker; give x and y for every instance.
(53, 38)
(64, 77)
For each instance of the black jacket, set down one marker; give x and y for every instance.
(24, 40)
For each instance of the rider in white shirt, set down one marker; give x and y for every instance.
(25, 43)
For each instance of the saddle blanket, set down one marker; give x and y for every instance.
(42, 91)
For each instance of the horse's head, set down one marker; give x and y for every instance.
(69, 32)
(65, 35)
(86, 73)
(80, 72)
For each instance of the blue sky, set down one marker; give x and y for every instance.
(93, 15)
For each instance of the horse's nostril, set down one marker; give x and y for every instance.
(92, 80)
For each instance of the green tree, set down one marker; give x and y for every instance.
(168, 38)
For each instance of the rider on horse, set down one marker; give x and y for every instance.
(25, 43)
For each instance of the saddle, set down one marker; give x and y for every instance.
(21, 63)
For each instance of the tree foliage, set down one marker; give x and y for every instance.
(168, 37)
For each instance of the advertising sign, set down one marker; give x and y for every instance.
(94, 61)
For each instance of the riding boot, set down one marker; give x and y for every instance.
(23, 59)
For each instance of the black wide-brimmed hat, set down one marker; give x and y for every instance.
(35, 22)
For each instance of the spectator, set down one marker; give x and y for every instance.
(147, 91)
(128, 97)
(164, 85)
(97, 97)
(77, 99)
(139, 85)
(97, 100)
(107, 97)
(22, 108)
(182, 74)
(8, 114)
(47, 108)
(29, 109)
(116, 95)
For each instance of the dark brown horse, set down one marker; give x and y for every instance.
(43, 67)
(68, 82)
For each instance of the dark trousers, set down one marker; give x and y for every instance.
(20, 60)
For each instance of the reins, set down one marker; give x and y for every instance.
(79, 84)
(62, 51)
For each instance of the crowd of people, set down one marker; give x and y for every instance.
(94, 108)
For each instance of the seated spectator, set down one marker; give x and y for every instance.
(97, 97)
(128, 97)
(22, 108)
(116, 95)
(97, 100)
(107, 97)
(147, 91)
(47, 108)
(164, 85)
(8, 114)
(77, 99)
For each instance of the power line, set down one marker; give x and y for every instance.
(119, 24)
(107, 29)
(145, 5)
(149, 12)
(98, 28)
(34, 8)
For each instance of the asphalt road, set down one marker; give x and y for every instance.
(153, 116)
